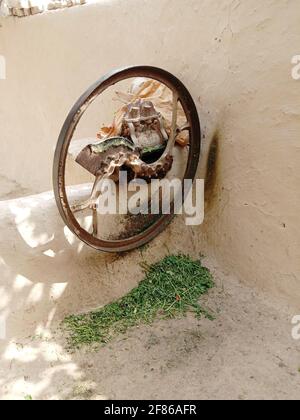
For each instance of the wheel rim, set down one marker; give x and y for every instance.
(68, 129)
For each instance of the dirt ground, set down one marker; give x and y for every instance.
(247, 352)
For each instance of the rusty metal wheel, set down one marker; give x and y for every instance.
(67, 132)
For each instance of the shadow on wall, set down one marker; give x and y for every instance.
(211, 176)
(41, 259)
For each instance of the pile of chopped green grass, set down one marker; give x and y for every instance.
(171, 288)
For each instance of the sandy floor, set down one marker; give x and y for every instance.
(246, 352)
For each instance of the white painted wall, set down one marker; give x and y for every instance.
(234, 56)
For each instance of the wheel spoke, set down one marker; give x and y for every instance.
(172, 137)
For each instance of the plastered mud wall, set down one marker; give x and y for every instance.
(235, 58)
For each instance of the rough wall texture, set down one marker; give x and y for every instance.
(234, 56)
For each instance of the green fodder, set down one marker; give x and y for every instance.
(171, 288)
